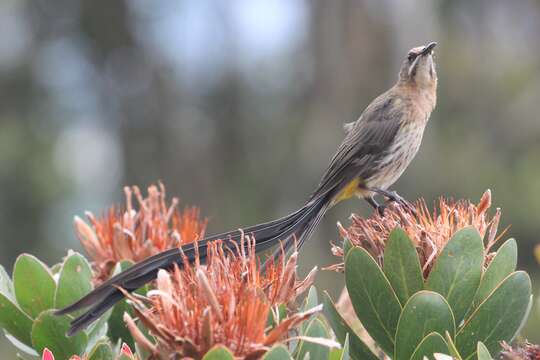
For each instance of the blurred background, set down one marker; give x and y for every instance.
(238, 105)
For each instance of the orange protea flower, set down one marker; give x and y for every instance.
(226, 302)
(137, 232)
(430, 231)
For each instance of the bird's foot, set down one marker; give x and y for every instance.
(395, 197)
(376, 206)
(392, 196)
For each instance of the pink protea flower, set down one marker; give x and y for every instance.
(125, 351)
(47, 355)
(523, 351)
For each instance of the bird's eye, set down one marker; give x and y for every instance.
(411, 56)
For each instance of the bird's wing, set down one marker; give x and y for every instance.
(365, 144)
(348, 127)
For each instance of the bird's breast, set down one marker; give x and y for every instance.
(398, 156)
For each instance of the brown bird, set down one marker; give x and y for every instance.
(377, 149)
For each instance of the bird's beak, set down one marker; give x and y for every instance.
(428, 49)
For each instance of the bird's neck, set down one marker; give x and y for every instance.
(424, 96)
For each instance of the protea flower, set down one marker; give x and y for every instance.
(415, 278)
(524, 351)
(125, 354)
(227, 302)
(137, 232)
(429, 231)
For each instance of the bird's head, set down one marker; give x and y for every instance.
(419, 67)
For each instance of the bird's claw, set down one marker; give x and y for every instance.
(391, 196)
(395, 197)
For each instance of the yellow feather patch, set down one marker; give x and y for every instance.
(348, 191)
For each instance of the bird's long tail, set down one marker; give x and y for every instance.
(298, 226)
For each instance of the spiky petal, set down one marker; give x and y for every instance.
(137, 232)
(226, 302)
(429, 230)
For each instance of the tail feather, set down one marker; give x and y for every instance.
(169, 257)
(94, 313)
(106, 288)
(299, 225)
(304, 229)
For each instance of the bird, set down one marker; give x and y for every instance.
(375, 152)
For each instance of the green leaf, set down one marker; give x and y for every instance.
(34, 285)
(525, 318)
(482, 352)
(345, 352)
(49, 331)
(402, 266)
(117, 327)
(347, 246)
(101, 351)
(6, 286)
(276, 315)
(373, 299)
(74, 282)
(498, 318)
(26, 349)
(12, 319)
(278, 352)
(431, 344)
(315, 329)
(358, 349)
(502, 265)
(55, 269)
(98, 329)
(15, 321)
(424, 313)
(310, 302)
(452, 346)
(341, 354)
(219, 353)
(457, 272)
